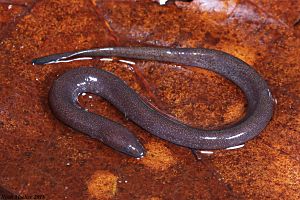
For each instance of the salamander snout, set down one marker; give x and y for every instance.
(136, 150)
(123, 140)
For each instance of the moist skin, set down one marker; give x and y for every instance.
(66, 89)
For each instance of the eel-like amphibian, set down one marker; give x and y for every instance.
(66, 89)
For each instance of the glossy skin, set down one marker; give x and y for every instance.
(66, 89)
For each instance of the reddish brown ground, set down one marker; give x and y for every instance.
(39, 155)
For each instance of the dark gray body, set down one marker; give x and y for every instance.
(66, 89)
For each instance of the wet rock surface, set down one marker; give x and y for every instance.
(40, 155)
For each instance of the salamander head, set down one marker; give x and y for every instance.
(125, 142)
